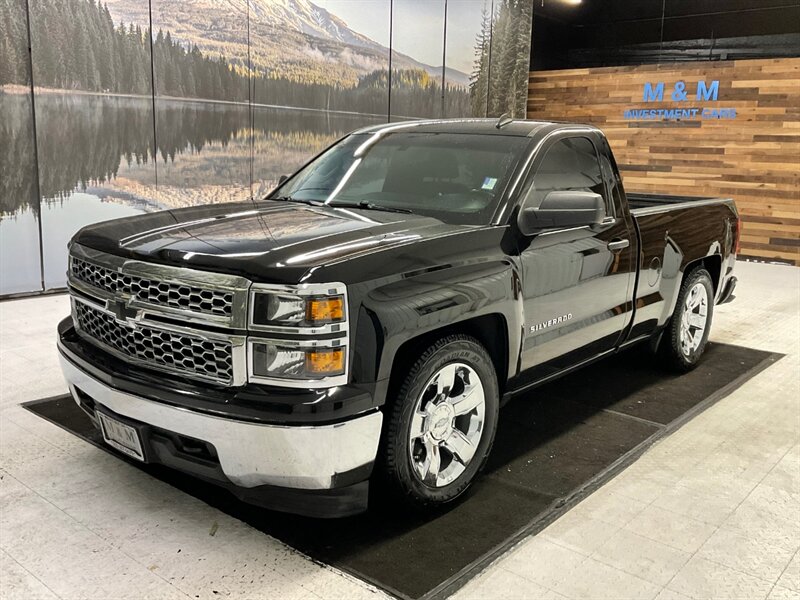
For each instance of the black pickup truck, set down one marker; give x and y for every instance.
(367, 320)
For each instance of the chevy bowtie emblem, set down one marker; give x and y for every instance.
(122, 312)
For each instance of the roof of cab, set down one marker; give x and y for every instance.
(517, 128)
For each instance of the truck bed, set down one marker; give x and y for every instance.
(642, 204)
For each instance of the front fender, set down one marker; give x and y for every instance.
(397, 311)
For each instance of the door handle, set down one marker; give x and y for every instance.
(617, 245)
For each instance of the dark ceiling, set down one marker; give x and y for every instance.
(608, 32)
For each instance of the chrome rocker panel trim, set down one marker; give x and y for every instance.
(251, 454)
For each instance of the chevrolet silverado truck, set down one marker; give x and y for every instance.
(366, 321)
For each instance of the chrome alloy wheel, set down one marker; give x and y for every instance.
(447, 424)
(694, 318)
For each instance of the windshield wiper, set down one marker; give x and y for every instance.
(364, 204)
(300, 200)
(367, 205)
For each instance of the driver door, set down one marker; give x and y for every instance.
(577, 282)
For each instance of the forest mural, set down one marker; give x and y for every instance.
(143, 106)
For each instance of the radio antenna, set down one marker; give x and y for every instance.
(503, 121)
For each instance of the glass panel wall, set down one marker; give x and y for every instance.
(467, 34)
(324, 78)
(212, 101)
(93, 120)
(20, 265)
(509, 58)
(203, 133)
(417, 58)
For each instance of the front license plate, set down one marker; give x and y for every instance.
(120, 436)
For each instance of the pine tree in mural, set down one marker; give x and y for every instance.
(13, 43)
(479, 79)
(499, 81)
(77, 46)
(513, 56)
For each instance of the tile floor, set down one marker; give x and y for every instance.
(712, 511)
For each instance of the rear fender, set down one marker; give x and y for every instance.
(671, 283)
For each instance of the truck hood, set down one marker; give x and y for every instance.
(268, 241)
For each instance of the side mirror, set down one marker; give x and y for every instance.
(282, 178)
(563, 209)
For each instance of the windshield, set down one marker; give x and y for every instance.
(455, 177)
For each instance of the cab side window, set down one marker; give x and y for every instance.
(570, 164)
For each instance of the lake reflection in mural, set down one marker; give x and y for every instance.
(148, 105)
(96, 163)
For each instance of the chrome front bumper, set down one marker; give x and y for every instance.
(250, 454)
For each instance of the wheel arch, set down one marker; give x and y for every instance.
(667, 342)
(711, 263)
(490, 330)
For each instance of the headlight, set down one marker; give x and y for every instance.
(298, 335)
(269, 309)
(277, 359)
(315, 307)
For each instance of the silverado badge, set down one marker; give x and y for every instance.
(551, 322)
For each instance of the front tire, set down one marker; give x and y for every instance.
(442, 424)
(686, 335)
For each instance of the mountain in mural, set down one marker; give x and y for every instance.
(308, 18)
(293, 39)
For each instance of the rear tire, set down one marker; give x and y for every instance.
(442, 423)
(684, 339)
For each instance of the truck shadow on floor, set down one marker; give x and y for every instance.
(567, 436)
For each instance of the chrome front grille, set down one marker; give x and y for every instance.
(180, 320)
(181, 353)
(172, 319)
(152, 291)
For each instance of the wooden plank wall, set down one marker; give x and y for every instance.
(754, 158)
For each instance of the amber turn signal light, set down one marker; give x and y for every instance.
(329, 361)
(325, 310)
